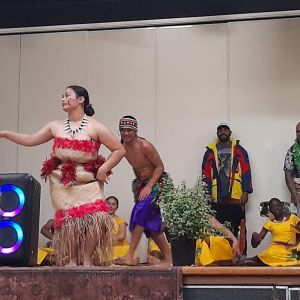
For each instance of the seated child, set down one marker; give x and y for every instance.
(283, 251)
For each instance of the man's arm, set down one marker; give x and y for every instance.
(246, 176)
(244, 198)
(153, 156)
(289, 179)
(289, 175)
(207, 170)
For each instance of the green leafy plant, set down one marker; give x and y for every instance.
(186, 210)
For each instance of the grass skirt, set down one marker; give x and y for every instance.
(76, 231)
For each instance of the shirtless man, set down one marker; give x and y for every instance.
(149, 171)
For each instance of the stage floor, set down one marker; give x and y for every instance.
(141, 282)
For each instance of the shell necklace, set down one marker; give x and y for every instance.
(74, 131)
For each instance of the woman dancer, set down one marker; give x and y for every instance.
(77, 174)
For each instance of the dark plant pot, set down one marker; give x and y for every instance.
(183, 251)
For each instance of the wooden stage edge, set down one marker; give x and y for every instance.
(107, 283)
(141, 282)
(241, 275)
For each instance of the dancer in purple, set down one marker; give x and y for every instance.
(149, 171)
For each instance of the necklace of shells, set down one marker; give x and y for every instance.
(75, 131)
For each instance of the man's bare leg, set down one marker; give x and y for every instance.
(129, 259)
(161, 242)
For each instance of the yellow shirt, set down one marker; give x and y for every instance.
(283, 232)
(119, 221)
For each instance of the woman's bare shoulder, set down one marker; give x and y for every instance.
(97, 124)
(55, 124)
(58, 122)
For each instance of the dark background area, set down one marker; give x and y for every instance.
(27, 13)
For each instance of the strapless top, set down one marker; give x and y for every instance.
(80, 151)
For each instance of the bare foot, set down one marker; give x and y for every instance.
(88, 262)
(165, 263)
(111, 265)
(127, 261)
(71, 264)
(153, 260)
(107, 263)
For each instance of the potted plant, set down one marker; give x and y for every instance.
(186, 213)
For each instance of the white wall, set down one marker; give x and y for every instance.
(179, 82)
(9, 112)
(264, 108)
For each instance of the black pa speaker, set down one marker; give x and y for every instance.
(19, 219)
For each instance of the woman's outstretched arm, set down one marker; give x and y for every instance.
(40, 137)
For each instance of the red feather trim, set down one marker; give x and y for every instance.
(68, 168)
(68, 172)
(93, 166)
(48, 166)
(80, 145)
(79, 212)
(59, 218)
